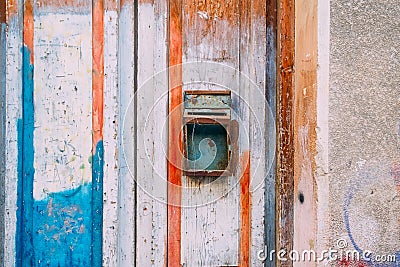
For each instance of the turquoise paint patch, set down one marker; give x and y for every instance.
(97, 198)
(26, 171)
(65, 229)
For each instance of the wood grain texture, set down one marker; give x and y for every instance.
(245, 212)
(152, 95)
(285, 128)
(174, 137)
(271, 145)
(127, 141)
(3, 71)
(210, 223)
(98, 71)
(13, 92)
(305, 122)
(110, 136)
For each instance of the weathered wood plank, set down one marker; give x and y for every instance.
(306, 56)
(152, 88)
(111, 122)
(13, 109)
(270, 138)
(210, 219)
(174, 170)
(3, 70)
(260, 131)
(127, 142)
(60, 205)
(97, 129)
(285, 127)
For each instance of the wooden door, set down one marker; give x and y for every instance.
(95, 106)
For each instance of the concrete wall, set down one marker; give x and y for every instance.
(364, 113)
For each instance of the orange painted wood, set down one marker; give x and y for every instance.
(175, 138)
(245, 211)
(29, 27)
(98, 71)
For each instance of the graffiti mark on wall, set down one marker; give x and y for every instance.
(371, 214)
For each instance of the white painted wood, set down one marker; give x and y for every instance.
(258, 130)
(322, 158)
(152, 117)
(62, 100)
(110, 139)
(13, 114)
(126, 187)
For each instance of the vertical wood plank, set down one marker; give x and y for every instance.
(97, 129)
(270, 151)
(306, 56)
(261, 126)
(127, 141)
(210, 219)
(246, 67)
(13, 113)
(285, 105)
(26, 147)
(174, 138)
(3, 87)
(58, 196)
(111, 122)
(152, 97)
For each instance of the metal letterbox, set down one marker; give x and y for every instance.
(207, 140)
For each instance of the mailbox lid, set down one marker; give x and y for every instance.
(200, 99)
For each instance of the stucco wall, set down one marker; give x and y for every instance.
(364, 113)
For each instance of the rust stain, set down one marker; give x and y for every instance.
(3, 11)
(245, 211)
(146, 2)
(29, 27)
(203, 15)
(111, 5)
(124, 3)
(175, 122)
(12, 9)
(98, 71)
(64, 4)
(285, 157)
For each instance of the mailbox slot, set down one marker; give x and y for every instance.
(207, 123)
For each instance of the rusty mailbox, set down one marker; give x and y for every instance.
(207, 133)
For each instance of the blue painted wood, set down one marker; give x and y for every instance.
(65, 228)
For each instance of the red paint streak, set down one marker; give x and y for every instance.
(175, 122)
(396, 175)
(98, 71)
(350, 263)
(245, 203)
(29, 27)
